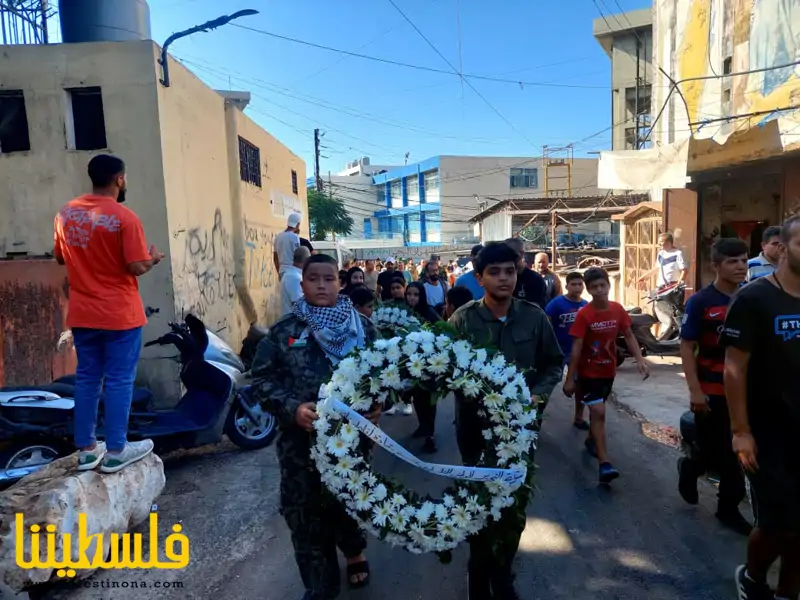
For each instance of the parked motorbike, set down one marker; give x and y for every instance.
(669, 343)
(36, 422)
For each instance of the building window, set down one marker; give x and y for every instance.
(14, 135)
(87, 129)
(249, 162)
(294, 182)
(524, 178)
(431, 180)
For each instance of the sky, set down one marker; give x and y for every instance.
(369, 108)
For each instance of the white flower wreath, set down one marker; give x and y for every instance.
(392, 319)
(384, 509)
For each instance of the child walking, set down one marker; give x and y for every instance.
(562, 311)
(594, 360)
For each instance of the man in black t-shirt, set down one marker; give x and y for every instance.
(762, 366)
(530, 285)
(703, 365)
(385, 280)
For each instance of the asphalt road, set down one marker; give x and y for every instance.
(633, 540)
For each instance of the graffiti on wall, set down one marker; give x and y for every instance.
(709, 36)
(262, 278)
(205, 285)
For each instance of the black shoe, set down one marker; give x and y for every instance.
(582, 425)
(429, 447)
(733, 520)
(749, 589)
(591, 447)
(608, 473)
(687, 481)
(419, 432)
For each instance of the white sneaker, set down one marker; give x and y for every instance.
(391, 411)
(133, 451)
(408, 410)
(89, 459)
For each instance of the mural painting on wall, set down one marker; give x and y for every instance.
(754, 34)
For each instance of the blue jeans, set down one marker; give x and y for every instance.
(107, 362)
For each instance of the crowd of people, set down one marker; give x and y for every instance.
(740, 343)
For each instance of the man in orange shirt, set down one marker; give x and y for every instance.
(103, 246)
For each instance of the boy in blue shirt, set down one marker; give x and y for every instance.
(562, 311)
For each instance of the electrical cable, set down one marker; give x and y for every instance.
(408, 65)
(469, 83)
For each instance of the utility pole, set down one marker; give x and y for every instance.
(317, 176)
(553, 227)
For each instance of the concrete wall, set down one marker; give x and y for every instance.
(35, 184)
(180, 145)
(221, 228)
(623, 77)
(464, 177)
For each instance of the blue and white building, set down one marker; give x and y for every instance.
(430, 203)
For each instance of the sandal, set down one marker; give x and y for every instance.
(356, 569)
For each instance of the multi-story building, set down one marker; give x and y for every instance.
(353, 185)
(211, 187)
(627, 39)
(429, 203)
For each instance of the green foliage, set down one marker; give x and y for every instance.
(327, 215)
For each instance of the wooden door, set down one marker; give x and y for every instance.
(680, 218)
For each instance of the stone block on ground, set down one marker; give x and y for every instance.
(58, 493)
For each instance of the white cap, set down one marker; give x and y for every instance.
(389, 260)
(294, 220)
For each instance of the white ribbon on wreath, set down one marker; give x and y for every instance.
(401, 517)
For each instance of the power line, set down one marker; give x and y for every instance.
(412, 66)
(469, 83)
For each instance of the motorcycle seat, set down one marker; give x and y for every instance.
(141, 396)
(643, 320)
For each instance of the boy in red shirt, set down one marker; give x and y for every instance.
(594, 358)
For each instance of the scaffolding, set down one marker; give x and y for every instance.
(24, 21)
(557, 163)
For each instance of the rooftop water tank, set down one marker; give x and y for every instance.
(104, 20)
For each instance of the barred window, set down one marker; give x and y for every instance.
(249, 162)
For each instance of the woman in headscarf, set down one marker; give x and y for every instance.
(353, 279)
(291, 363)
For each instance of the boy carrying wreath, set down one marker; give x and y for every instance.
(290, 365)
(521, 331)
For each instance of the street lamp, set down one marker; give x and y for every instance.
(218, 22)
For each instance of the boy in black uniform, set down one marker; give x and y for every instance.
(762, 363)
(703, 364)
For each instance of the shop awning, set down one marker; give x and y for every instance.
(671, 166)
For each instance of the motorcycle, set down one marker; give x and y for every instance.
(36, 422)
(669, 343)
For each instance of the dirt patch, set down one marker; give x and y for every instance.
(664, 434)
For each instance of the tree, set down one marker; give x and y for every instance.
(327, 215)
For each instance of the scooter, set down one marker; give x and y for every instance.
(36, 422)
(669, 343)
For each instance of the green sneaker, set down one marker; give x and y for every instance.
(89, 459)
(133, 451)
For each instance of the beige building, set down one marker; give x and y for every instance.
(627, 39)
(212, 189)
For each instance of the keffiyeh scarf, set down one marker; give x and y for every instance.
(337, 329)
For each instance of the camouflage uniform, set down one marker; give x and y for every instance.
(284, 378)
(525, 338)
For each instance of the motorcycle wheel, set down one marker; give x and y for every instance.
(21, 454)
(241, 430)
